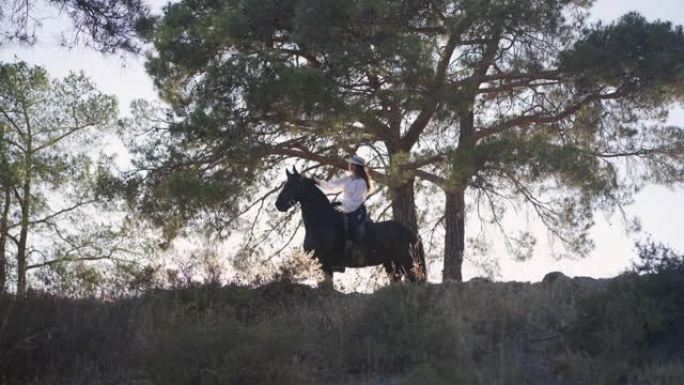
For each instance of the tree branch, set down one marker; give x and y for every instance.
(437, 180)
(82, 259)
(541, 75)
(426, 161)
(431, 100)
(65, 135)
(335, 162)
(58, 213)
(544, 118)
(12, 122)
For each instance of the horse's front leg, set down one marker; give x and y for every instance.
(327, 282)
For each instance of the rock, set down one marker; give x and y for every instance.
(555, 276)
(479, 280)
(590, 283)
(585, 281)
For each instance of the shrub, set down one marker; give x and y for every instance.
(656, 258)
(629, 331)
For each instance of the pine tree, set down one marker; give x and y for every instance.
(501, 99)
(48, 177)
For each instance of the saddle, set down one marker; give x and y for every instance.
(354, 222)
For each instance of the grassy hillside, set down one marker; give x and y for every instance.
(629, 330)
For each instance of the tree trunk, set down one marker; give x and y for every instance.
(454, 237)
(23, 238)
(404, 205)
(454, 211)
(400, 185)
(4, 229)
(25, 202)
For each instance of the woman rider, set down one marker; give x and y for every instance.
(354, 187)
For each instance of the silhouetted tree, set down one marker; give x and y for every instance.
(513, 100)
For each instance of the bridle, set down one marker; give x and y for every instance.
(290, 202)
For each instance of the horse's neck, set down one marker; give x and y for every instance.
(316, 208)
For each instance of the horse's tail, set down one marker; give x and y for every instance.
(419, 259)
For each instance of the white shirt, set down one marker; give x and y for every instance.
(353, 190)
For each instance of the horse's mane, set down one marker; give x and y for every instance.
(313, 187)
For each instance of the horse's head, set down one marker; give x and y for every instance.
(293, 190)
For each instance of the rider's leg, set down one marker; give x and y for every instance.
(358, 232)
(360, 222)
(348, 236)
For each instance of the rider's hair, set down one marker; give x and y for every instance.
(360, 171)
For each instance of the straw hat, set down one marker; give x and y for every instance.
(357, 160)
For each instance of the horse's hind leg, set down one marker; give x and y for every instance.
(392, 271)
(413, 274)
(413, 271)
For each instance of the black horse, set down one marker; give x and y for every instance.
(387, 243)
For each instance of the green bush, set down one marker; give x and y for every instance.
(636, 319)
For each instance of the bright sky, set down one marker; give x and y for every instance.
(661, 210)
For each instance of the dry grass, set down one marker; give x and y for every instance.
(625, 331)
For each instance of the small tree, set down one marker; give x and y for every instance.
(655, 258)
(49, 180)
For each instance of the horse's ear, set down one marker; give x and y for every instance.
(287, 172)
(295, 172)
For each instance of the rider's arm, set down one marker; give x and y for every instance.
(334, 186)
